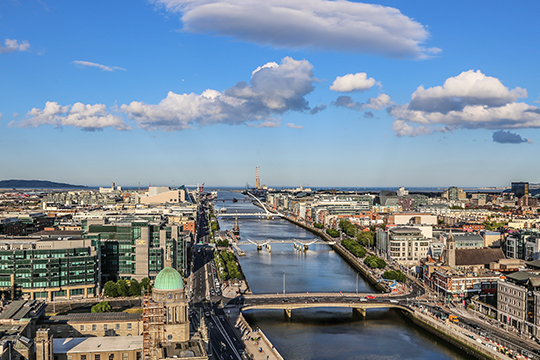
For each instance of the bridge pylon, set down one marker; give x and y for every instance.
(360, 311)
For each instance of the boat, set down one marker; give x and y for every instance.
(234, 200)
(236, 228)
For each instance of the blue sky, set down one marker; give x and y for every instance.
(324, 93)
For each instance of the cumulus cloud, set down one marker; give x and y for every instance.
(353, 82)
(470, 100)
(294, 126)
(369, 115)
(506, 137)
(380, 102)
(273, 90)
(87, 117)
(99, 66)
(13, 45)
(319, 24)
(317, 109)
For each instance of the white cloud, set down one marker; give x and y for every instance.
(470, 100)
(294, 126)
(320, 24)
(13, 45)
(273, 90)
(99, 66)
(353, 82)
(88, 117)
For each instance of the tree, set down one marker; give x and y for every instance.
(375, 262)
(145, 284)
(367, 238)
(134, 288)
(101, 307)
(320, 226)
(122, 287)
(110, 289)
(395, 275)
(332, 232)
(355, 248)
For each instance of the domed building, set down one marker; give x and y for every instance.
(169, 291)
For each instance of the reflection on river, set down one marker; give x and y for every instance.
(321, 333)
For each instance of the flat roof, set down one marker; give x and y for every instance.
(94, 317)
(97, 344)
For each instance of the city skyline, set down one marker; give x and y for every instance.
(324, 93)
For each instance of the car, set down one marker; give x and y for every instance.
(207, 314)
(475, 326)
(284, 300)
(370, 297)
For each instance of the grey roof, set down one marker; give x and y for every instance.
(21, 309)
(534, 264)
(483, 256)
(522, 276)
(93, 317)
(97, 344)
(405, 230)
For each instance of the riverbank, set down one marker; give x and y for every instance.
(352, 260)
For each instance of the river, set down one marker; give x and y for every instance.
(323, 333)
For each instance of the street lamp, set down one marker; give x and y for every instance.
(357, 284)
(283, 283)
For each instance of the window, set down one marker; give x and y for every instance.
(82, 327)
(69, 357)
(139, 355)
(83, 357)
(111, 356)
(169, 337)
(125, 356)
(117, 326)
(105, 327)
(94, 328)
(129, 326)
(97, 357)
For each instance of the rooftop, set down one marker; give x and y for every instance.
(97, 344)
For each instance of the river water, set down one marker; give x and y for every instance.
(323, 333)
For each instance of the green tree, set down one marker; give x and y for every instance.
(320, 226)
(354, 247)
(367, 238)
(110, 289)
(101, 307)
(122, 286)
(145, 284)
(332, 232)
(395, 275)
(375, 262)
(134, 288)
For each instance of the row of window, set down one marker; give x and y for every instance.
(125, 356)
(106, 327)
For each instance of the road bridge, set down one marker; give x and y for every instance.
(358, 302)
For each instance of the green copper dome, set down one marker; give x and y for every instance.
(168, 279)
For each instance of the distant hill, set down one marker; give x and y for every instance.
(36, 184)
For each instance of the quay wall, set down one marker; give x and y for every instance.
(454, 337)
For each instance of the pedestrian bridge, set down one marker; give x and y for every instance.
(358, 302)
(302, 245)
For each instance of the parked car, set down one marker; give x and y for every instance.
(370, 297)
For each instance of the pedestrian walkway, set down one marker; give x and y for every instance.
(258, 347)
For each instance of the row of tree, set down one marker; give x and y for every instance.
(126, 288)
(222, 242)
(347, 227)
(375, 262)
(318, 225)
(354, 247)
(332, 232)
(395, 275)
(227, 264)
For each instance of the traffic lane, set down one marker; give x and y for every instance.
(231, 332)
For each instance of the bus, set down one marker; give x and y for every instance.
(453, 318)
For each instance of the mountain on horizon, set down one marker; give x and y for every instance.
(36, 184)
